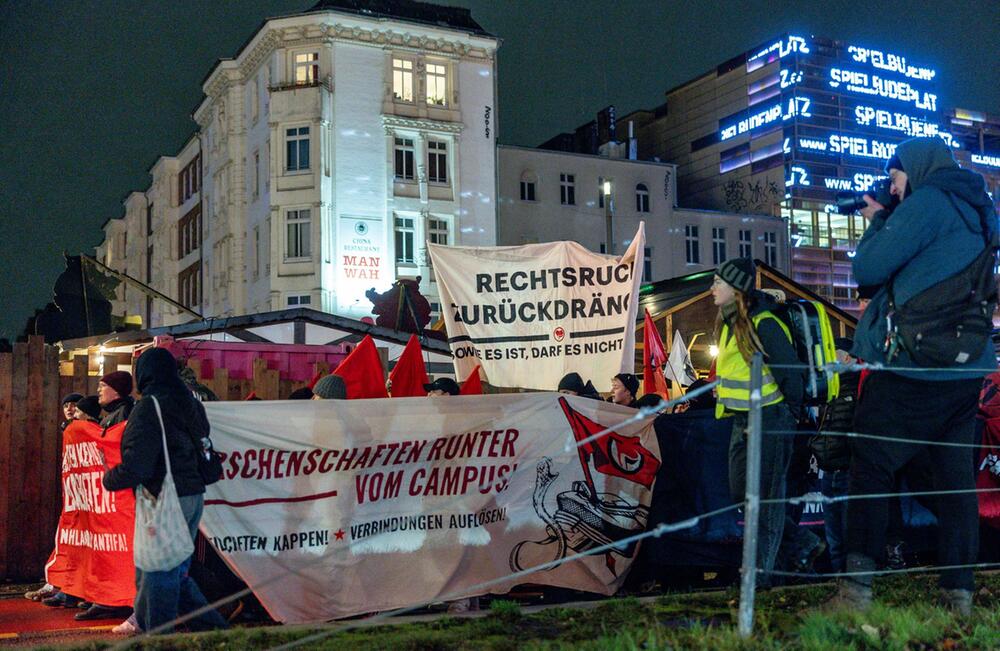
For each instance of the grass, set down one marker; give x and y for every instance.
(905, 619)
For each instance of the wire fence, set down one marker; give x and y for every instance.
(752, 500)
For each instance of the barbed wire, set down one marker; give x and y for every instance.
(878, 437)
(906, 570)
(641, 414)
(819, 498)
(656, 532)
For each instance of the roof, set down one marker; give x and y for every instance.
(237, 325)
(424, 13)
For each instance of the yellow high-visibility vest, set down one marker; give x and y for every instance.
(733, 374)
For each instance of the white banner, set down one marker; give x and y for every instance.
(531, 314)
(333, 508)
(362, 263)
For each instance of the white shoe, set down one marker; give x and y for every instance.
(126, 628)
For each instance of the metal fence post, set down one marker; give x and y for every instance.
(751, 510)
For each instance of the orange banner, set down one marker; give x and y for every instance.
(93, 555)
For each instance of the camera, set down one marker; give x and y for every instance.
(851, 202)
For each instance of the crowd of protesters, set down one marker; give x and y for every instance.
(929, 227)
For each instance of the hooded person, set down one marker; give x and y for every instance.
(943, 222)
(163, 596)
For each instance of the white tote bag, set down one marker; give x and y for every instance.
(162, 539)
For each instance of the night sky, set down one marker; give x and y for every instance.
(92, 93)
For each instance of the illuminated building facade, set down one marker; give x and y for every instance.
(783, 127)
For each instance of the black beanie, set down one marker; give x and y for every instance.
(73, 397)
(90, 406)
(739, 272)
(894, 163)
(630, 382)
(572, 382)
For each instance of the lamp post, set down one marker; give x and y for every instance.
(607, 218)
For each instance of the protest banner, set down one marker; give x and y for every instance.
(330, 509)
(93, 551)
(530, 314)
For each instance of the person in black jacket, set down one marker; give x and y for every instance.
(162, 596)
(114, 392)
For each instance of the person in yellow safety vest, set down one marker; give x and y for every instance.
(745, 326)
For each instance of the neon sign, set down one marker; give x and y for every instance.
(851, 145)
(865, 84)
(781, 49)
(796, 106)
(859, 182)
(889, 63)
(894, 121)
(798, 176)
(989, 161)
(790, 77)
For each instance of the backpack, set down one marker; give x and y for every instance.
(812, 337)
(951, 321)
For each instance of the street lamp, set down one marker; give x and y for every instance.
(607, 217)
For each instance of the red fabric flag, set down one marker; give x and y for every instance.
(362, 372)
(409, 375)
(612, 453)
(654, 356)
(473, 385)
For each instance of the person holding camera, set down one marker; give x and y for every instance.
(930, 323)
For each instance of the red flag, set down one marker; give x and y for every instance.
(362, 372)
(654, 356)
(612, 453)
(473, 385)
(409, 375)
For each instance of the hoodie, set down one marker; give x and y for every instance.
(934, 233)
(184, 421)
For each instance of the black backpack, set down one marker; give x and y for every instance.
(950, 322)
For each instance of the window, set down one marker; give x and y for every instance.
(402, 80)
(189, 232)
(404, 240)
(437, 161)
(718, 245)
(299, 299)
(297, 149)
(437, 231)
(256, 251)
(641, 198)
(404, 159)
(527, 191)
(187, 285)
(306, 68)
(647, 264)
(691, 249)
(437, 84)
(189, 180)
(771, 248)
(255, 183)
(567, 189)
(254, 105)
(299, 225)
(149, 219)
(746, 239)
(600, 191)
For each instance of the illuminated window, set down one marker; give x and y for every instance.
(404, 159)
(437, 84)
(567, 189)
(402, 80)
(297, 149)
(641, 198)
(404, 240)
(746, 238)
(306, 68)
(771, 248)
(298, 226)
(437, 161)
(718, 245)
(691, 248)
(600, 191)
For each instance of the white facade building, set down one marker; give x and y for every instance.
(549, 195)
(332, 147)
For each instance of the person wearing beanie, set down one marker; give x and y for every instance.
(302, 393)
(624, 388)
(114, 391)
(89, 408)
(443, 386)
(745, 326)
(944, 221)
(69, 410)
(572, 384)
(330, 387)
